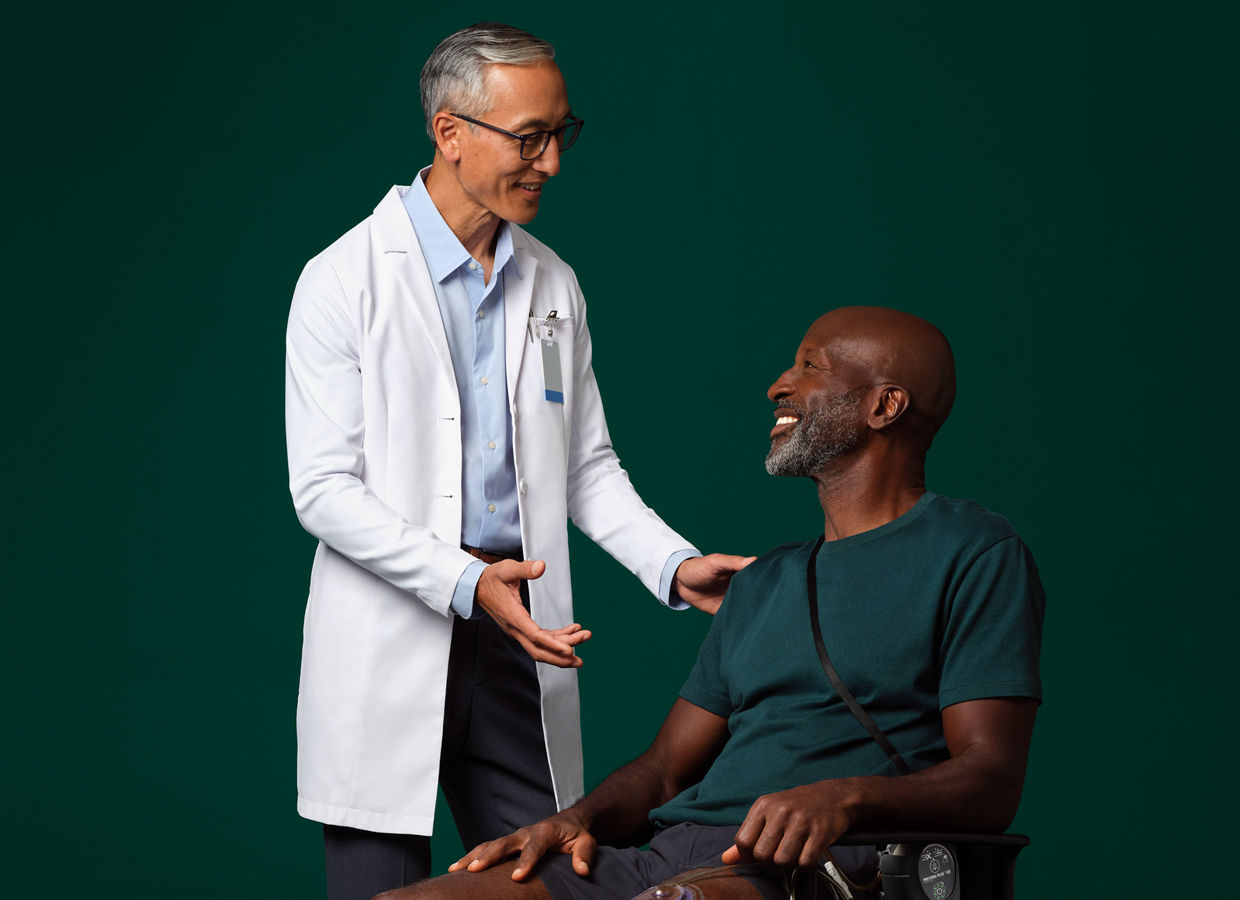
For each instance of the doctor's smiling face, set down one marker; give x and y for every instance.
(491, 177)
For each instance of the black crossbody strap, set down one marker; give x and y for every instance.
(811, 587)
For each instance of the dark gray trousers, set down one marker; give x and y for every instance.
(493, 767)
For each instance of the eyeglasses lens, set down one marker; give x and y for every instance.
(533, 148)
(568, 135)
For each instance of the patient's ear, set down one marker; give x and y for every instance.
(889, 404)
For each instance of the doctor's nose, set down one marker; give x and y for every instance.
(548, 162)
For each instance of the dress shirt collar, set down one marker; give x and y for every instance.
(442, 249)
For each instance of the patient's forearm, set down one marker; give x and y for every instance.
(616, 812)
(977, 789)
(956, 795)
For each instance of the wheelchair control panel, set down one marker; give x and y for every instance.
(913, 871)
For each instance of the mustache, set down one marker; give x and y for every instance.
(791, 407)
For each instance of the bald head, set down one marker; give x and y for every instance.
(886, 346)
(866, 380)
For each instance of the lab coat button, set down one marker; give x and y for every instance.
(521, 485)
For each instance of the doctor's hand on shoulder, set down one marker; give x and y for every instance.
(499, 594)
(701, 581)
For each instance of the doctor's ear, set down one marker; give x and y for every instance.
(447, 131)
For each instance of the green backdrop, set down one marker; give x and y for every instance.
(1052, 184)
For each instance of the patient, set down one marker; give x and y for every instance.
(931, 612)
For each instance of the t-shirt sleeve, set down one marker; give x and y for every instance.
(705, 686)
(993, 633)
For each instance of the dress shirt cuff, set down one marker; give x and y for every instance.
(463, 596)
(666, 595)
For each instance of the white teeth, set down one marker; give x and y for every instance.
(786, 420)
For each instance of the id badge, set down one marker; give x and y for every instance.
(553, 381)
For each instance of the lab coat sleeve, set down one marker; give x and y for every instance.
(602, 502)
(325, 431)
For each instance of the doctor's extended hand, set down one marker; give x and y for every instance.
(499, 594)
(701, 581)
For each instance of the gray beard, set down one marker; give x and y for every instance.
(826, 434)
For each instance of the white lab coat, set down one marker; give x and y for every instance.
(374, 447)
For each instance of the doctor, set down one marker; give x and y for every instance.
(443, 423)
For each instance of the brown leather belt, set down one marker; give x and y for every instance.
(487, 556)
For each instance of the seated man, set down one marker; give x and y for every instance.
(931, 612)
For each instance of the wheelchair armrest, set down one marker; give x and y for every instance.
(878, 838)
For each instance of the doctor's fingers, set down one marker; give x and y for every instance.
(520, 626)
(553, 647)
(513, 572)
(543, 647)
(499, 586)
(572, 634)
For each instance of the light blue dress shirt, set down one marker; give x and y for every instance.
(473, 318)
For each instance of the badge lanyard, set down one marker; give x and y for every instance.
(553, 378)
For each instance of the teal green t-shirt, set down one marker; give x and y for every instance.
(939, 606)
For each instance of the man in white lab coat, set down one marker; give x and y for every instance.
(443, 424)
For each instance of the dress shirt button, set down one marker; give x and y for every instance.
(490, 507)
(491, 445)
(473, 266)
(482, 314)
(485, 380)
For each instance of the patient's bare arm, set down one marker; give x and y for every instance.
(978, 789)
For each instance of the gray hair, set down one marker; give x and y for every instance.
(453, 75)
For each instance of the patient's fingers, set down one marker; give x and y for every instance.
(555, 834)
(484, 855)
(530, 844)
(584, 848)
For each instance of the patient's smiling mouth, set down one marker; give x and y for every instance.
(785, 420)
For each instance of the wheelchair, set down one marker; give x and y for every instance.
(911, 866)
(928, 866)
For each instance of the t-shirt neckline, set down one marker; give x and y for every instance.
(855, 540)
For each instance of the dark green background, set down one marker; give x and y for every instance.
(1052, 184)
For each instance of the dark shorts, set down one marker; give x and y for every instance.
(620, 874)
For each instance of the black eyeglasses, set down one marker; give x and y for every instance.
(535, 142)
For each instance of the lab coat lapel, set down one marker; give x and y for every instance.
(518, 297)
(399, 244)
